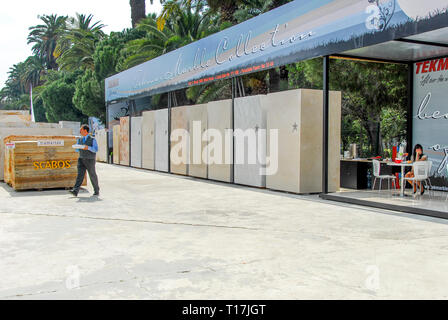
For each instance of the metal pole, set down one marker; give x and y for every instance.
(233, 127)
(169, 130)
(131, 111)
(326, 92)
(410, 115)
(107, 134)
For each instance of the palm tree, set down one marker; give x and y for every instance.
(34, 69)
(188, 26)
(80, 53)
(76, 46)
(83, 22)
(45, 37)
(138, 11)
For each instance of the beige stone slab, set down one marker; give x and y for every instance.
(74, 125)
(179, 154)
(283, 113)
(116, 143)
(297, 114)
(334, 142)
(124, 141)
(101, 139)
(220, 118)
(148, 140)
(15, 116)
(197, 123)
(30, 125)
(161, 144)
(136, 142)
(5, 132)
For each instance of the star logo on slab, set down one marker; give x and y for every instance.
(295, 127)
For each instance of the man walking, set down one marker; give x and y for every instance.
(86, 161)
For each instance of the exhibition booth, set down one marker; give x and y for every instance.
(306, 123)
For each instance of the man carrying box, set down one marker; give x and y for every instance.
(86, 161)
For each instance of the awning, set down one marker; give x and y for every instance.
(297, 31)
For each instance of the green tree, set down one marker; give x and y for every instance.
(89, 96)
(44, 38)
(368, 89)
(39, 109)
(58, 98)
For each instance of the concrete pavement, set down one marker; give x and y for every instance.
(158, 236)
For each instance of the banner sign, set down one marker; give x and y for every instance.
(430, 110)
(297, 31)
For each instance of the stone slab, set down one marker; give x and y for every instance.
(297, 115)
(250, 116)
(219, 117)
(30, 125)
(101, 139)
(179, 154)
(161, 141)
(124, 141)
(148, 140)
(197, 117)
(15, 116)
(74, 125)
(116, 144)
(136, 142)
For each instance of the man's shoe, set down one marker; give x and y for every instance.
(74, 193)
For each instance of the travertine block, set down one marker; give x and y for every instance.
(179, 121)
(101, 139)
(74, 125)
(297, 115)
(30, 125)
(116, 143)
(124, 141)
(197, 116)
(15, 116)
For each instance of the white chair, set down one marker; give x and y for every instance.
(421, 173)
(428, 181)
(377, 175)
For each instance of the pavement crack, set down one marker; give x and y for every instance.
(135, 220)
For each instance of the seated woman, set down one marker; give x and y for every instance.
(417, 155)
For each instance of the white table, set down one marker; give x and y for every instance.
(402, 165)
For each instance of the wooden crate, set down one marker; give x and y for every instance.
(5, 132)
(31, 162)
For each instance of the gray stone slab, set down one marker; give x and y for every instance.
(250, 117)
(136, 142)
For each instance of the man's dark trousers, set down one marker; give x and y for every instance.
(89, 166)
